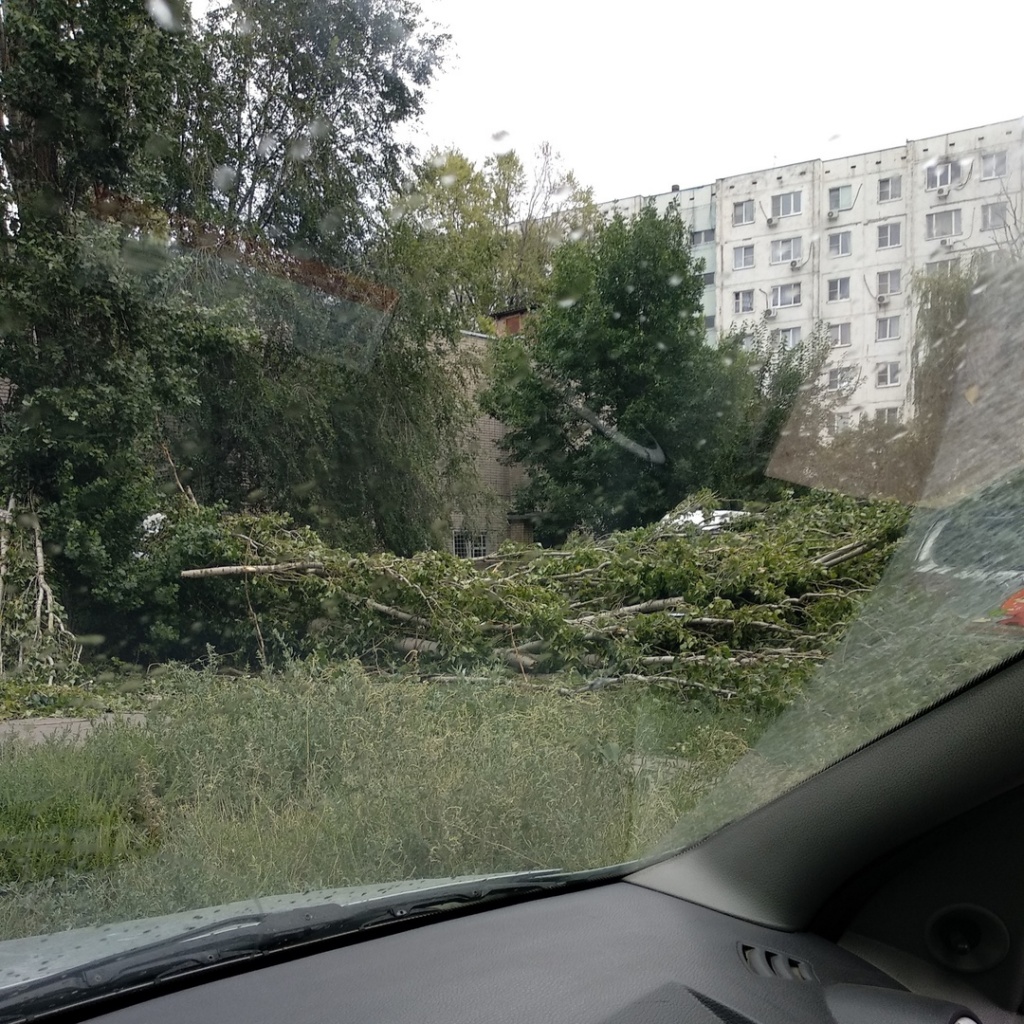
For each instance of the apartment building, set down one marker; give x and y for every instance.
(839, 241)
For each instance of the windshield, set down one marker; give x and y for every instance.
(392, 497)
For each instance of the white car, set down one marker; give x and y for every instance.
(708, 523)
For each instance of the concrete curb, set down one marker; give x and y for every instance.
(39, 730)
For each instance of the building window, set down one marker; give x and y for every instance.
(993, 165)
(839, 422)
(840, 244)
(887, 375)
(469, 545)
(742, 256)
(709, 278)
(785, 250)
(709, 323)
(993, 216)
(943, 175)
(889, 282)
(743, 302)
(743, 213)
(890, 415)
(787, 337)
(838, 288)
(944, 224)
(887, 328)
(785, 295)
(702, 237)
(786, 204)
(890, 188)
(840, 335)
(843, 378)
(840, 198)
(888, 236)
(943, 268)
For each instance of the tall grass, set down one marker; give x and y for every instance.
(319, 777)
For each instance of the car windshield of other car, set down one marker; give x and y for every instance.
(439, 443)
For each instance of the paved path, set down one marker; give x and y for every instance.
(37, 730)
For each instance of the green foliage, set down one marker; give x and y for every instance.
(943, 303)
(620, 338)
(77, 815)
(481, 238)
(35, 645)
(84, 87)
(775, 394)
(95, 363)
(302, 406)
(293, 125)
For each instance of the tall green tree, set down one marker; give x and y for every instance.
(84, 87)
(286, 138)
(121, 345)
(288, 129)
(614, 401)
(485, 234)
(88, 361)
(778, 403)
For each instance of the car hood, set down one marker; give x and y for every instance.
(41, 956)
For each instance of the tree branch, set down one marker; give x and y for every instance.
(654, 455)
(308, 568)
(633, 677)
(660, 605)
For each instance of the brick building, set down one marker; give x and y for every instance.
(486, 521)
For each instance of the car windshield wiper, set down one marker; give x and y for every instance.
(237, 939)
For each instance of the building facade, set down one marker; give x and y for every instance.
(839, 241)
(484, 520)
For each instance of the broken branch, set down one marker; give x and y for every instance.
(309, 568)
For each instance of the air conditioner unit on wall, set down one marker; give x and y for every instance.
(769, 313)
(832, 214)
(793, 264)
(771, 222)
(942, 191)
(883, 300)
(945, 241)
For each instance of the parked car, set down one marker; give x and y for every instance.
(974, 555)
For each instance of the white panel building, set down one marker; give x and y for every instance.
(840, 240)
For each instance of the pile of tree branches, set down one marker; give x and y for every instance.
(770, 593)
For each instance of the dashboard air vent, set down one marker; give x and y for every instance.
(769, 964)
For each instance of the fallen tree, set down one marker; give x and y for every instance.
(33, 633)
(766, 596)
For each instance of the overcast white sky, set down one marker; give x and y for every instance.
(642, 95)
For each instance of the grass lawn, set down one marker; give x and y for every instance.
(318, 776)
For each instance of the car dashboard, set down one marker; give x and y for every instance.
(615, 953)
